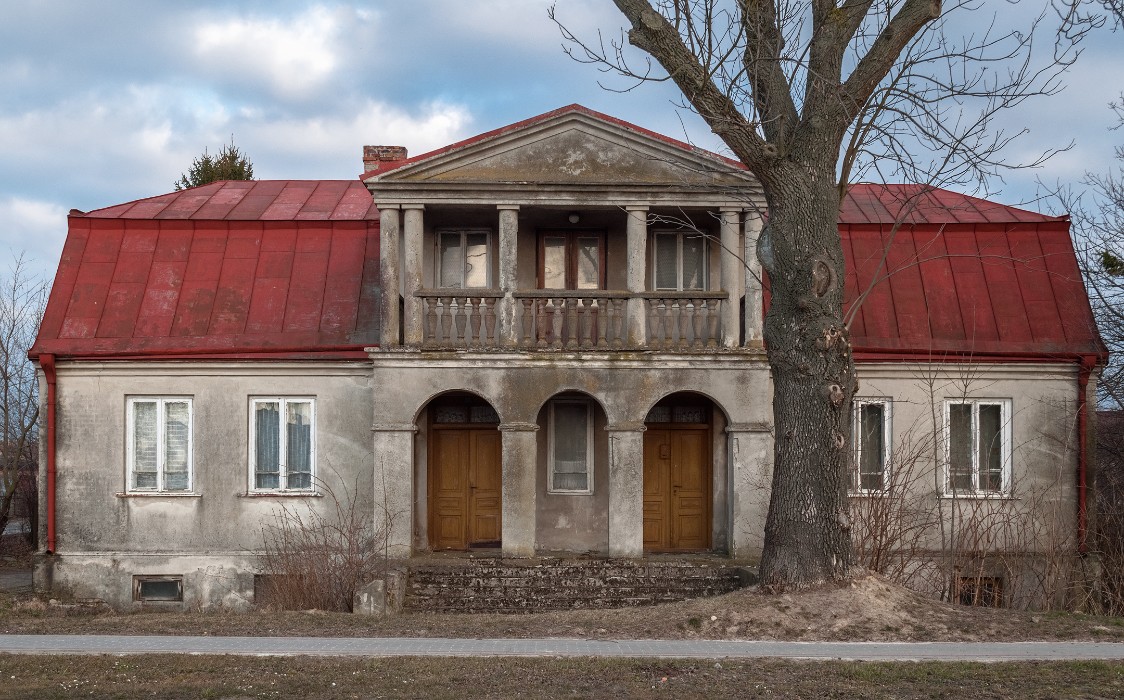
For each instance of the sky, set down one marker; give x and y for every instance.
(106, 102)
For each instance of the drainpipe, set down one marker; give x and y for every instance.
(47, 362)
(1087, 364)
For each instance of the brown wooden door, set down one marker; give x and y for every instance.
(464, 488)
(676, 489)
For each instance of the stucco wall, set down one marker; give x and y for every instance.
(102, 528)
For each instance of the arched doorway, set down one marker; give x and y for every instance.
(464, 475)
(677, 474)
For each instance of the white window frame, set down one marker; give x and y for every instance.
(887, 424)
(1004, 448)
(463, 233)
(283, 444)
(161, 442)
(679, 234)
(588, 449)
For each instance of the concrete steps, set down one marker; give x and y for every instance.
(497, 585)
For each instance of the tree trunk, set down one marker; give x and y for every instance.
(808, 530)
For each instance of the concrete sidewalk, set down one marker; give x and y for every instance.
(666, 649)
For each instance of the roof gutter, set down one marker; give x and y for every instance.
(47, 363)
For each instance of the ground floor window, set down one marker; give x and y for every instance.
(978, 447)
(158, 589)
(980, 591)
(159, 444)
(282, 444)
(571, 446)
(871, 426)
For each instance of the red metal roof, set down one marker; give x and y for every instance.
(273, 268)
(923, 204)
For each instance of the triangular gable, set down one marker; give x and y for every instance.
(572, 146)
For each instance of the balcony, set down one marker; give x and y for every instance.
(568, 320)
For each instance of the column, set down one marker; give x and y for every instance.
(414, 228)
(519, 493)
(509, 252)
(732, 277)
(637, 228)
(388, 268)
(751, 474)
(626, 489)
(754, 298)
(393, 491)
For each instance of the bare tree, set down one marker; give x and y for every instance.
(21, 306)
(808, 94)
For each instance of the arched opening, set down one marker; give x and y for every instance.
(679, 470)
(463, 473)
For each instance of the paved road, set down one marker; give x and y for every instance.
(678, 649)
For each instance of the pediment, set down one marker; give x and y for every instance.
(572, 149)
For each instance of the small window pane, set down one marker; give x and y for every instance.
(667, 262)
(871, 446)
(452, 261)
(267, 446)
(571, 435)
(694, 262)
(299, 446)
(177, 437)
(554, 263)
(144, 445)
(476, 260)
(960, 446)
(159, 589)
(991, 448)
(589, 263)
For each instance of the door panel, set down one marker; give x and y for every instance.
(464, 496)
(677, 489)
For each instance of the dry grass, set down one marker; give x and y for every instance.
(867, 609)
(620, 679)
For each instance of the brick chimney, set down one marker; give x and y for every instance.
(375, 156)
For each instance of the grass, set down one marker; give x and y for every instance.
(619, 679)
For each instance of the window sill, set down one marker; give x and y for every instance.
(978, 497)
(280, 494)
(158, 494)
(569, 493)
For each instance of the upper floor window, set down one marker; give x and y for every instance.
(870, 424)
(679, 261)
(572, 260)
(282, 444)
(464, 259)
(159, 444)
(571, 446)
(978, 446)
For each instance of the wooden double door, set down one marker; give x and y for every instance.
(464, 487)
(677, 489)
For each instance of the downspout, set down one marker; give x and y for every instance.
(47, 362)
(1087, 364)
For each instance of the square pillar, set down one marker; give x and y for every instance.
(388, 273)
(508, 252)
(626, 490)
(412, 274)
(636, 328)
(732, 277)
(393, 491)
(751, 474)
(754, 296)
(519, 492)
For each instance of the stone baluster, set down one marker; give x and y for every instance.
(618, 324)
(713, 307)
(585, 321)
(557, 313)
(462, 320)
(682, 319)
(490, 321)
(528, 322)
(446, 320)
(475, 319)
(655, 324)
(603, 317)
(431, 320)
(698, 319)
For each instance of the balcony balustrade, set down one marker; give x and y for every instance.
(594, 320)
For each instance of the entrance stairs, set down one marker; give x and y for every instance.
(493, 584)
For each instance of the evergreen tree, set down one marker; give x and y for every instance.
(229, 164)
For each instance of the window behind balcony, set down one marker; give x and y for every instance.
(464, 259)
(679, 261)
(572, 260)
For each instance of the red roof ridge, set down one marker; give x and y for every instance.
(921, 203)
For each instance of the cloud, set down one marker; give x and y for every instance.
(296, 55)
(32, 228)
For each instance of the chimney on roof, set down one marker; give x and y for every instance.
(375, 156)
